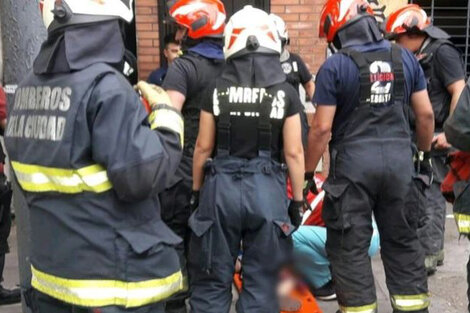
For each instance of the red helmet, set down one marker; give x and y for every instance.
(202, 18)
(336, 14)
(409, 18)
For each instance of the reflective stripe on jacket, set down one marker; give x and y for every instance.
(90, 162)
(106, 292)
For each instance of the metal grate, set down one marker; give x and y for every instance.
(232, 6)
(453, 16)
(164, 27)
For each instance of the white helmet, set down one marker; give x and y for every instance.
(251, 30)
(281, 28)
(59, 13)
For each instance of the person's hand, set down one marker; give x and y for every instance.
(423, 167)
(440, 142)
(194, 202)
(310, 185)
(296, 212)
(153, 94)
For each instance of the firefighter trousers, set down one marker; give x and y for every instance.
(42, 303)
(243, 205)
(174, 202)
(366, 180)
(432, 223)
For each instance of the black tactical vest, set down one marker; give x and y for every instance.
(440, 97)
(261, 110)
(380, 113)
(207, 70)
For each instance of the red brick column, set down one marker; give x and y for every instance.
(302, 18)
(148, 45)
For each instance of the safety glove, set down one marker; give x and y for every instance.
(296, 212)
(160, 109)
(194, 202)
(310, 184)
(153, 94)
(423, 167)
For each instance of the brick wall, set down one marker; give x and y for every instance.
(148, 44)
(302, 17)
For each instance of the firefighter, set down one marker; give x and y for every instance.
(295, 69)
(456, 185)
(88, 159)
(362, 93)
(249, 115)
(297, 72)
(200, 25)
(444, 71)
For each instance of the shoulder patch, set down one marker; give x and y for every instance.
(287, 68)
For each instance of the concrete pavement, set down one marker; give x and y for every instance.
(448, 286)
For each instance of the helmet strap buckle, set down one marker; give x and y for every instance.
(252, 43)
(362, 8)
(62, 12)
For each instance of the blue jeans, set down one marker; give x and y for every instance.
(311, 258)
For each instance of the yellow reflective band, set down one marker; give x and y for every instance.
(370, 308)
(185, 283)
(463, 223)
(35, 178)
(167, 118)
(411, 302)
(97, 293)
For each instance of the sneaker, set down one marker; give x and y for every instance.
(9, 296)
(430, 263)
(326, 292)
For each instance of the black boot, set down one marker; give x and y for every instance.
(176, 306)
(9, 296)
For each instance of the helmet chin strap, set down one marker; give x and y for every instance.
(425, 43)
(333, 49)
(62, 12)
(285, 54)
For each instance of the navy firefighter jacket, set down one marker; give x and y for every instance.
(89, 161)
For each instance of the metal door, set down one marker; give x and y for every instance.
(453, 16)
